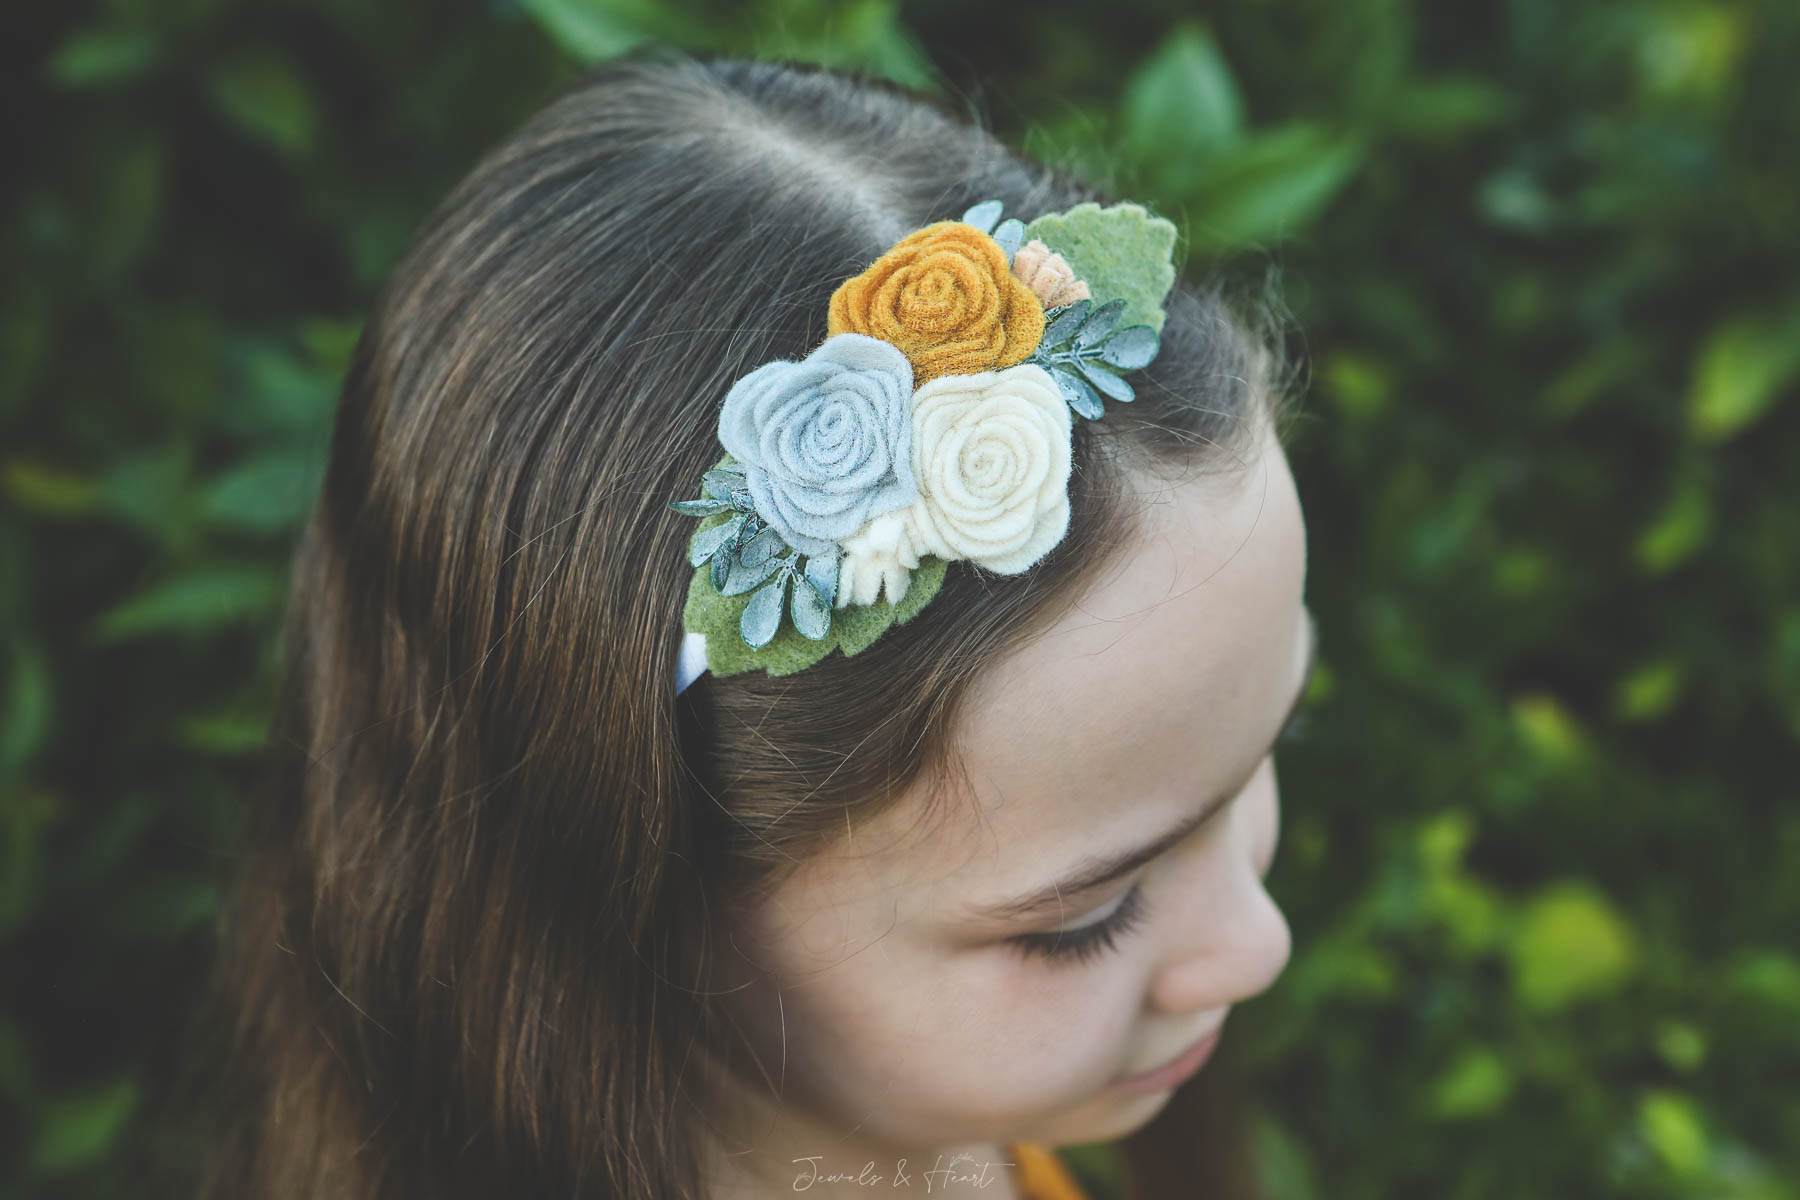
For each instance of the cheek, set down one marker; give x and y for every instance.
(1265, 822)
(914, 1043)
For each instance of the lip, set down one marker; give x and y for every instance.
(1176, 1071)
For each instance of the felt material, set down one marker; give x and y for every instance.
(878, 558)
(853, 629)
(1049, 276)
(826, 442)
(992, 456)
(946, 297)
(1119, 252)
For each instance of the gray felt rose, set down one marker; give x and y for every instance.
(826, 442)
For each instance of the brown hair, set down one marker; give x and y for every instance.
(462, 955)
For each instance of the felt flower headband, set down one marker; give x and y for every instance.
(933, 424)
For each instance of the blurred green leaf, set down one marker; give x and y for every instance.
(1570, 944)
(275, 390)
(27, 337)
(223, 733)
(103, 55)
(1268, 185)
(148, 490)
(1672, 1125)
(1768, 976)
(204, 598)
(15, 1062)
(855, 34)
(1690, 51)
(110, 839)
(170, 907)
(1547, 728)
(1476, 1084)
(1678, 531)
(25, 813)
(1601, 369)
(1447, 106)
(41, 488)
(1681, 1044)
(25, 715)
(123, 206)
(1744, 365)
(262, 93)
(1285, 1166)
(1648, 692)
(268, 493)
(1181, 105)
(76, 1129)
(592, 30)
(1359, 385)
(1514, 199)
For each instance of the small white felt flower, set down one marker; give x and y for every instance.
(991, 457)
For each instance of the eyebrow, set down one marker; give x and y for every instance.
(1095, 872)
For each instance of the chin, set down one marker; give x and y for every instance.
(1105, 1118)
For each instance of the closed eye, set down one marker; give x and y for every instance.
(1090, 941)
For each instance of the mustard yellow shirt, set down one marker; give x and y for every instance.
(1042, 1175)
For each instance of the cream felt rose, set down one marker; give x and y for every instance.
(991, 457)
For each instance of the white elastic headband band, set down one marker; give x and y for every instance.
(692, 663)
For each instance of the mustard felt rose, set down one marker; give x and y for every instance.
(943, 295)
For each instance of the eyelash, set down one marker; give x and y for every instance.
(1090, 941)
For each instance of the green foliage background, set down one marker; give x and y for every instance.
(1541, 851)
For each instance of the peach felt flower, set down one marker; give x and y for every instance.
(945, 296)
(1048, 275)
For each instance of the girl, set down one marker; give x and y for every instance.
(520, 920)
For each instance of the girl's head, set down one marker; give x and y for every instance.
(518, 919)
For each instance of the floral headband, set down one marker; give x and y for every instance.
(934, 424)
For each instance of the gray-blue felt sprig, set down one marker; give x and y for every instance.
(1083, 347)
(746, 554)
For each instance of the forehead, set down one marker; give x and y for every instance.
(1159, 687)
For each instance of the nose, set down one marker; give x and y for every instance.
(1228, 941)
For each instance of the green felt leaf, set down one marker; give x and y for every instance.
(853, 629)
(1122, 251)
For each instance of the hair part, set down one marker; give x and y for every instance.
(465, 950)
